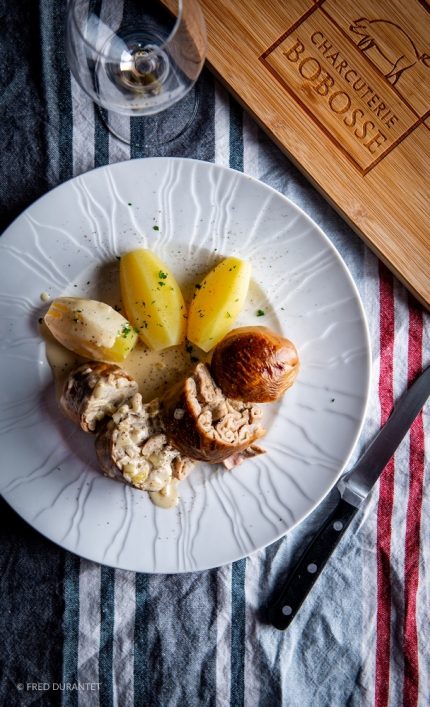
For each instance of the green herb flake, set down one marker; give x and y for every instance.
(228, 315)
(161, 284)
(155, 228)
(162, 275)
(260, 313)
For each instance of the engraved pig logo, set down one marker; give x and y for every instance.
(391, 43)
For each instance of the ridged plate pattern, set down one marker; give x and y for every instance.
(72, 237)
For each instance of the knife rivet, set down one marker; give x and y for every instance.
(312, 568)
(287, 610)
(337, 525)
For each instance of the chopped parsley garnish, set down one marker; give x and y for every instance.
(126, 329)
(155, 228)
(260, 313)
(162, 275)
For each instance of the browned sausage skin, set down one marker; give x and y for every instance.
(254, 364)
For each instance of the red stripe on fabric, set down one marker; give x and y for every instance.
(413, 517)
(386, 492)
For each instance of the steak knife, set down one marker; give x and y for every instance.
(353, 489)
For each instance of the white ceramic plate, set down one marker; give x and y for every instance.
(64, 241)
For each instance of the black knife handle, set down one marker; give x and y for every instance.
(309, 567)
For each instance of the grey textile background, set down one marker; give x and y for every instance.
(201, 639)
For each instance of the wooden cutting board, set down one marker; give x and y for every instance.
(343, 87)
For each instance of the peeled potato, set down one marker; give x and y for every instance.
(152, 300)
(91, 329)
(217, 302)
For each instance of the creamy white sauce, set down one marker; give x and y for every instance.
(71, 318)
(61, 360)
(157, 371)
(167, 497)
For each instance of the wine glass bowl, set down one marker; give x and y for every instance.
(137, 57)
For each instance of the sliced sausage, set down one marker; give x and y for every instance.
(206, 425)
(94, 390)
(133, 448)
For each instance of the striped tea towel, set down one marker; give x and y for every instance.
(78, 634)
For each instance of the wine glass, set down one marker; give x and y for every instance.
(140, 59)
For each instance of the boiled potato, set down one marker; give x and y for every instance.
(91, 329)
(152, 300)
(217, 302)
